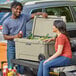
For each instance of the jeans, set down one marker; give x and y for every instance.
(45, 68)
(11, 55)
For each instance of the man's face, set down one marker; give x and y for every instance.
(16, 11)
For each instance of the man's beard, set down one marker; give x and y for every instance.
(16, 15)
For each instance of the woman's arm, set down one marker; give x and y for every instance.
(58, 53)
(48, 40)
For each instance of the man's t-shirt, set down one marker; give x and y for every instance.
(14, 26)
(63, 40)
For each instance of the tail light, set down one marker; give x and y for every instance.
(1, 27)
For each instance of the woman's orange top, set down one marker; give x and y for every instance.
(63, 40)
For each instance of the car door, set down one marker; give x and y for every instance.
(4, 13)
(67, 12)
(30, 22)
(72, 25)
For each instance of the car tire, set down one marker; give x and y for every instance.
(29, 72)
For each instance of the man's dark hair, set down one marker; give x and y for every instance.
(15, 4)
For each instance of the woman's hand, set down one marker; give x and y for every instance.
(45, 61)
(45, 40)
(48, 40)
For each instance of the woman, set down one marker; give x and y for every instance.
(63, 53)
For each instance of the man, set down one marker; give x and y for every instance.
(12, 27)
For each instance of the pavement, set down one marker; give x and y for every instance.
(20, 75)
(1, 36)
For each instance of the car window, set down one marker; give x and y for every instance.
(60, 11)
(3, 16)
(36, 10)
(74, 8)
(30, 23)
(74, 12)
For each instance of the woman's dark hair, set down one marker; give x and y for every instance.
(15, 4)
(61, 26)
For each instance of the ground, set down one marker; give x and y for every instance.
(0, 72)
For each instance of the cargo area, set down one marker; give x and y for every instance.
(34, 48)
(30, 50)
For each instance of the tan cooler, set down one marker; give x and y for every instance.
(35, 49)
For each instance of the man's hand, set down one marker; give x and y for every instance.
(19, 35)
(44, 15)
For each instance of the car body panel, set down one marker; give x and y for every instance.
(28, 9)
(4, 13)
(71, 26)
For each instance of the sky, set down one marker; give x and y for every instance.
(5, 1)
(8, 1)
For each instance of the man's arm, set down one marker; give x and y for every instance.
(45, 15)
(8, 37)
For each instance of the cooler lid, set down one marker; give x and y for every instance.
(43, 26)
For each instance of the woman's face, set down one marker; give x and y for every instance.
(54, 29)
